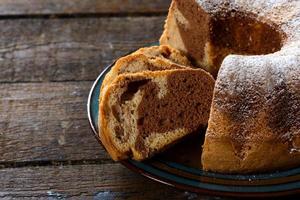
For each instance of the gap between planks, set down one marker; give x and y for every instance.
(67, 7)
(83, 15)
(45, 163)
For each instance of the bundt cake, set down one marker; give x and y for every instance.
(143, 113)
(253, 48)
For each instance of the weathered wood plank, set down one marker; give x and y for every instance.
(69, 48)
(38, 7)
(46, 121)
(107, 181)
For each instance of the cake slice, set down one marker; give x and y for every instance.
(144, 113)
(148, 59)
(138, 62)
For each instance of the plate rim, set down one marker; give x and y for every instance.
(164, 180)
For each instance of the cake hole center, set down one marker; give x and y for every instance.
(210, 37)
(242, 34)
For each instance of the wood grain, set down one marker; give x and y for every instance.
(46, 121)
(38, 7)
(107, 181)
(69, 49)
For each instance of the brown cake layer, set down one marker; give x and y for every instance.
(147, 112)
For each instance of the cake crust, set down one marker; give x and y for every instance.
(249, 121)
(166, 53)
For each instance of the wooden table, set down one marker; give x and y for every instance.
(51, 51)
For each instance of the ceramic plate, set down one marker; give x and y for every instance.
(180, 166)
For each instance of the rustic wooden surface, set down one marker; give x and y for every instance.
(44, 7)
(65, 49)
(50, 53)
(100, 181)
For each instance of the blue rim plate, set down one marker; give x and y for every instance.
(180, 173)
